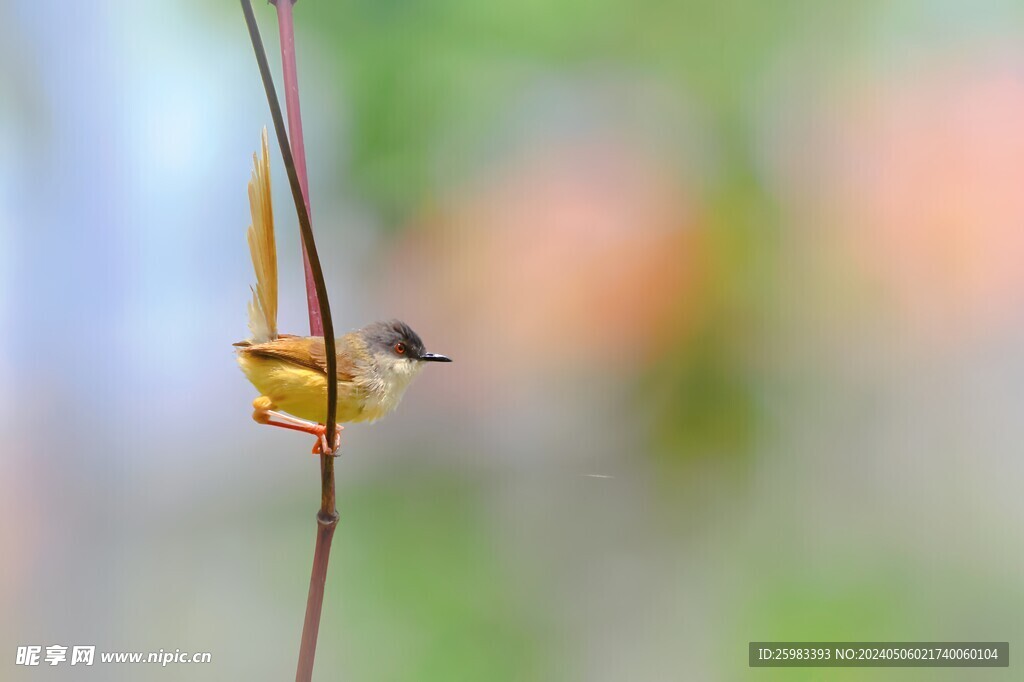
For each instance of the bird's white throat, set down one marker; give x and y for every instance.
(393, 376)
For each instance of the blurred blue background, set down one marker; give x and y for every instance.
(758, 265)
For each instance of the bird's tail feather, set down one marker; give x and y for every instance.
(262, 247)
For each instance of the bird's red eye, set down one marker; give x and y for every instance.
(400, 348)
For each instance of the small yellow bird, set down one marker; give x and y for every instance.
(375, 363)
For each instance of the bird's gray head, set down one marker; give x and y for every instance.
(396, 346)
(397, 356)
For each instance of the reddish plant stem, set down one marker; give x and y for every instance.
(319, 310)
(315, 598)
(327, 518)
(286, 29)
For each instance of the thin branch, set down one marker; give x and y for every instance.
(320, 323)
(286, 30)
(313, 260)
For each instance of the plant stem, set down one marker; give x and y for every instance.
(327, 518)
(319, 309)
(291, 101)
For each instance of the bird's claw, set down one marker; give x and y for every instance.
(321, 447)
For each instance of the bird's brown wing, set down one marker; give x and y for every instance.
(318, 352)
(305, 351)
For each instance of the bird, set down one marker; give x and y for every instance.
(375, 364)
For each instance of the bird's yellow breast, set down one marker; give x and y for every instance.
(302, 391)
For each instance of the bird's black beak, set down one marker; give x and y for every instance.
(434, 357)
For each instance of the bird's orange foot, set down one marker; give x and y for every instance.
(264, 413)
(320, 447)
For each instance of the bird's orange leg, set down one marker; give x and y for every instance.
(264, 414)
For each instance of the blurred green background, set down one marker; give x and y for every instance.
(758, 266)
